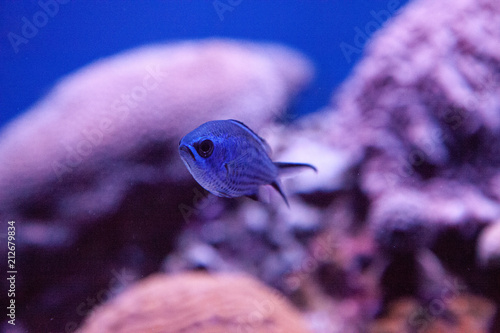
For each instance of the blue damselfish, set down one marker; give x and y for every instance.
(229, 160)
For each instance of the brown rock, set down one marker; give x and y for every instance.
(462, 313)
(196, 303)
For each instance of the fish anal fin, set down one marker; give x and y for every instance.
(254, 196)
(277, 187)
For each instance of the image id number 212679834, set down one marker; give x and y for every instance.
(11, 271)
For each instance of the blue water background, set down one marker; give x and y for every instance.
(83, 31)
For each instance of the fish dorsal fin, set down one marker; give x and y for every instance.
(263, 142)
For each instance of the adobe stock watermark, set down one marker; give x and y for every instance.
(320, 251)
(362, 35)
(222, 6)
(200, 201)
(31, 26)
(118, 282)
(263, 310)
(454, 117)
(420, 319)
(93, 137)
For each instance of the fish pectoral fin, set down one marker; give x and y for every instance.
(277, 187)
(232, 165)
(230, 169)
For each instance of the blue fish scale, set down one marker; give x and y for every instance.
(238, 163)
(251, 171)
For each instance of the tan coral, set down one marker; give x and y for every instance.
(196, 302)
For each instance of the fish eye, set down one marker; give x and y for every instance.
(205, 148)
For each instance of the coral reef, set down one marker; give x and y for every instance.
(407, 155)
(92, 170)
(115, 124)
(196, 302)
(396, 232)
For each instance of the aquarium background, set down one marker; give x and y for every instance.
(83, 31)
(397, 231)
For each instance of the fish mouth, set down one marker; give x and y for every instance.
(184, 148)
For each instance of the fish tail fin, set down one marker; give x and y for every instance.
(277, 187)
(282, 166)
